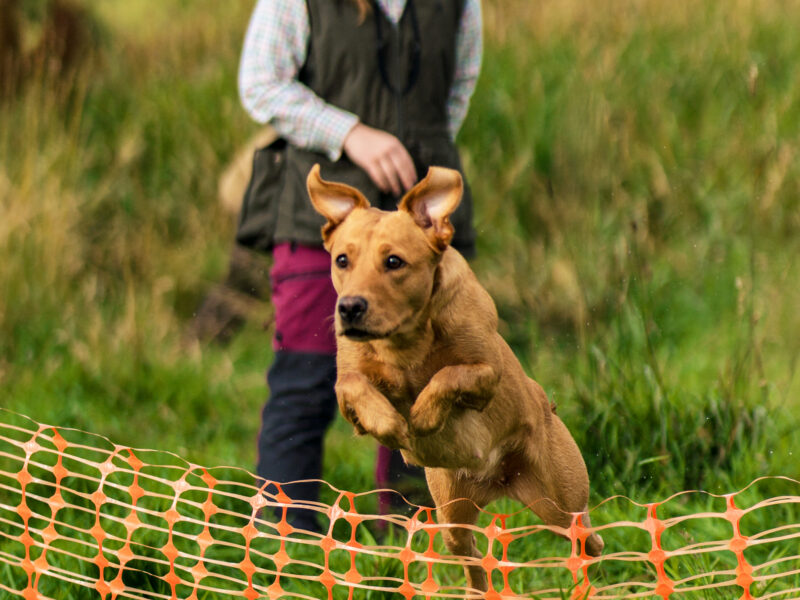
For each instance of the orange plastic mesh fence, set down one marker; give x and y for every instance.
(79, 513)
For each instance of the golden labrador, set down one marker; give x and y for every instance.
(422, 368)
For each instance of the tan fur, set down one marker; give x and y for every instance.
(425, 370)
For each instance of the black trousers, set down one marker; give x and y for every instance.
(301, 407)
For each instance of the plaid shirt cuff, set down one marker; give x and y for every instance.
(329, 129)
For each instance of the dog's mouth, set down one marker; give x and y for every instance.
(361, 335)
(365, 330)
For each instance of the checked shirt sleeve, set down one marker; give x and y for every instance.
(273, 54)
(469, 52)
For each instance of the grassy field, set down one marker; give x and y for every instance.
(635, 166)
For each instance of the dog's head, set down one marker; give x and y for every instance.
(384, 263)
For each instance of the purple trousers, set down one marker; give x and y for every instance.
(302, 402)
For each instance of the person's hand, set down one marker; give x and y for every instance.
(383, 157)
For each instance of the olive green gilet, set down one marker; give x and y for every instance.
(343, 68)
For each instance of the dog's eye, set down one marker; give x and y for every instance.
(341, 261)
(394, 262)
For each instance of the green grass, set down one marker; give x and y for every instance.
(637, 181)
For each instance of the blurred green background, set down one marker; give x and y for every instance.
(635, 168)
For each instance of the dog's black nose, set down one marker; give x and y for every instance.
(352, 308)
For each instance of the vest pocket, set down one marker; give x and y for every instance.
(259, 214)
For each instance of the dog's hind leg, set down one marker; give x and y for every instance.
(458, 501)
(552, 514)
(555, 485)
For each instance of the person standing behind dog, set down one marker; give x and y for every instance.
(375, 92)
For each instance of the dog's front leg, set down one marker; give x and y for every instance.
(370, 411)
(467, 386)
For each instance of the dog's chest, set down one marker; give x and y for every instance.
(400, 385)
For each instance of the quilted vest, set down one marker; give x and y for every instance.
(395, 77)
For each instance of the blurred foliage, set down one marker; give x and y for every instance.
(638, 209)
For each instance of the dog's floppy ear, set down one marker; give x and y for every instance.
(332, 200)
(432, 201)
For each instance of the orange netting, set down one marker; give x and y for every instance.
(78, 512)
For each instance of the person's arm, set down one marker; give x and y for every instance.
(469, 52)
(274, 51)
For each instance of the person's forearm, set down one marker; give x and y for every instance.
(298, 115)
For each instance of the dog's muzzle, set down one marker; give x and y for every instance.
(352, 310)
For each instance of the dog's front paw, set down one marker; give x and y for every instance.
(392, 432)
(347, 408)
(351, 416)
(426, 418)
